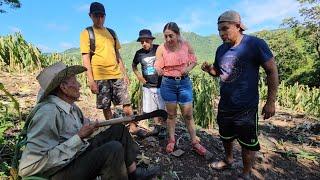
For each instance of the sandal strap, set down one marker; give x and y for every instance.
(226, 166)
(170, 145)
(199, 148)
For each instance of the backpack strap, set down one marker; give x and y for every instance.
(114, 35)
(92, 41)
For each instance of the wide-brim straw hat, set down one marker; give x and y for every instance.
(52, 76)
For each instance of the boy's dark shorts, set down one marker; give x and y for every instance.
(112, 90)
(241, 125)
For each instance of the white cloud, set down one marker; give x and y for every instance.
(83, 8)
(125, 42)
(187, 21)
(15, 29)
(197, 19)
(66, 45)
(57, 27)
(157, 26)
(266, 12)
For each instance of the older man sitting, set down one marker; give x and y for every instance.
(59, 145)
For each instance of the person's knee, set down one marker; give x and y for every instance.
(107, 113)
(118, 127)
(127, 107)
(172, 116)
(114, 147)
(188, 117)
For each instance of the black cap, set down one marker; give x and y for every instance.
(97, 8)
(145, 33)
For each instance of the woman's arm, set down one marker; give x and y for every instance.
(159, 63)
(192, 60)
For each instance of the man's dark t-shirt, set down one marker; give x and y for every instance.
(147, 59)
(239, 72)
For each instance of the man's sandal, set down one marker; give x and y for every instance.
(170, 145)
(220, 165)
(199, 148)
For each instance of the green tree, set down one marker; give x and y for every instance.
(288, 50)
(307, 27)
(11, 3)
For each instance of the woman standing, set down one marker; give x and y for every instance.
(175, 59)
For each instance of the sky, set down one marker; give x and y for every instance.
(54, 26)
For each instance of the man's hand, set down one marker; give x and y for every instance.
(268, 110)
(206, 67)
(126, 80)
(94, 87)
(210, 69)
(142, 80)
(159, 71)
(87, 129)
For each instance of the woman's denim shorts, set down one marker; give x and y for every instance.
(176, 90)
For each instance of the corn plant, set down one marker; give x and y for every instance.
(18, 55)
(9, 110)
(205, 91)
(299, 98)
(135, 93)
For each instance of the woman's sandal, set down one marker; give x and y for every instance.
(220, 165)
(199, 148)
(170, 145)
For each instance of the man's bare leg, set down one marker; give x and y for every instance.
(248, 158)
(107, 113)
(228, 146)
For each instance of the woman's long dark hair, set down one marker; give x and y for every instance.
(173, 27)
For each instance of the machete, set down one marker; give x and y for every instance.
(157, 113)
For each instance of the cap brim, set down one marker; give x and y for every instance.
(67, 72)
(98, 12)
(147, 37)
(243, 27)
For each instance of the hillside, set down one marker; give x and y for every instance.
(290, 141)
(204, 46)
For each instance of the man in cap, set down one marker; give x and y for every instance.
(59, 143)
(106, 74)
(237, 62)
(150, 80)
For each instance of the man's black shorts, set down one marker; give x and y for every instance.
(241, 125)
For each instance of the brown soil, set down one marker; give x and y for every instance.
(289, 142)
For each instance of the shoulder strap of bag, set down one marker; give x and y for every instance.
(92, 41)
(113, 34)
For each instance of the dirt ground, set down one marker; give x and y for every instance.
(290, 142)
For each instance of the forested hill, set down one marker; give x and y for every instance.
(296, 57)
(204, 46)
